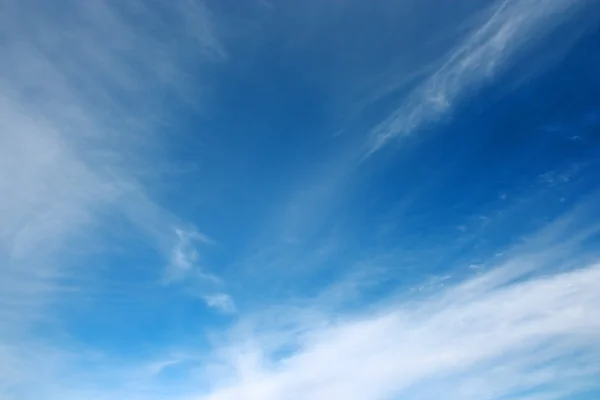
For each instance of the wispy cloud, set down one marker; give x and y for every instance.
(511, 25)
(77, 88)
(221, 301)
(84, 93)
(184, 257)
(527, 326)
(81, 106)
(501, 342)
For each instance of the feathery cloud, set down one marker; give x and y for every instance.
(221, 301)
(77, 87)
(512, 25)
(501, 342)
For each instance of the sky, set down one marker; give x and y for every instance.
(285, 200)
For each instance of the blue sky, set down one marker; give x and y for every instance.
(276, 200)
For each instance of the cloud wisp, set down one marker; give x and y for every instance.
(79, 112)
(511, 26)
(524, 326)
(221, 301)
(504, 341)
(87, 97)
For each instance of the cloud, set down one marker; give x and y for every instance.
(526, 327)
(84, 92)
(49, 195)
(511, 26)
(79, 137)
(184, 256)
(186, 270)
(79, 141)
(221, 301)
(517, 337)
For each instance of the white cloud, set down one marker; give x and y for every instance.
(512, 25)
(527, 327)
(81, 136)
(184, 257)
(66, 142)
(511, 338)
(49, 195)
(221, 301)
(78, 134)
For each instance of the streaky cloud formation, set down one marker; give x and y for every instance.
(500, 333)
(194, 204)
(220, 301)
(467, 343)
(74, 116)
(528, 323)
(509, 29)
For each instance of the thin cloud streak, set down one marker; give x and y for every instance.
(221, 301)
(72, 121)
(76, 89)
(513, 331)
(528, 323)
(184, 257)
(513, 24)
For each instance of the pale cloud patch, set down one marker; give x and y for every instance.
(220, 301)
(186, 268)
(527, 324)
(185, 257)
(81, 137)
(529, 334)
(511, 26)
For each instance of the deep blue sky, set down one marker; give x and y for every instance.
(299, 200)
